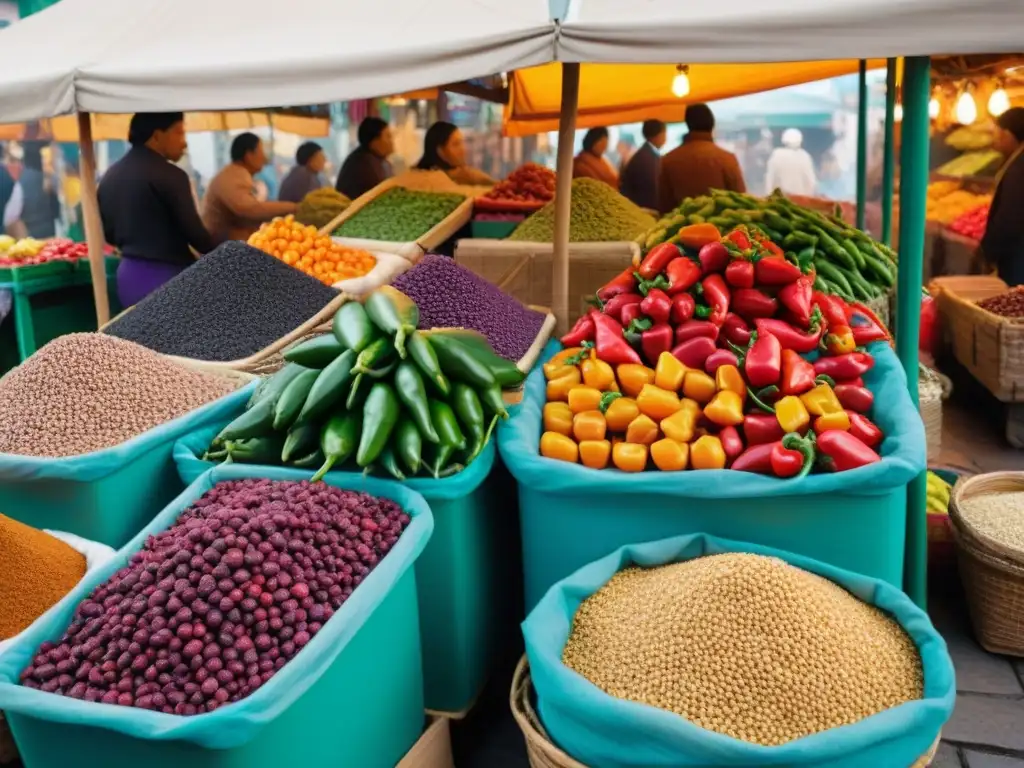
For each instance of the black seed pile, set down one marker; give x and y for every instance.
(230, 304)
(450, 296)
(210, 609)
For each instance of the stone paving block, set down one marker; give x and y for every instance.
(946, 757)
(982, 760)
(994, 722)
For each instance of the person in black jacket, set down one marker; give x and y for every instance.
(368, 164)
(639, 180)
(1003, 242)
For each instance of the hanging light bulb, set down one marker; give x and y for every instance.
(897, 113)
(966, 109)
(681, 82)
(934, 108)
(998, 102)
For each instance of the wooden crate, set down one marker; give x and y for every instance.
(433, 749)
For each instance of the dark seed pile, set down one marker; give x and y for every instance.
(211, 608)
(229, 305)
(451, 296)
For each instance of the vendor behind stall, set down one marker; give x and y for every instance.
(147, 207)
(591, 163)
(368, 164)
(1003, 243)
(305, 177)
(444, 149)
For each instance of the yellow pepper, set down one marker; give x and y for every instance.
(620, 412)
(821, 400)
(728, 377)
(642, 430)
(597, 374)
(583, 398)
(630, 457)
(669, 372)
(558, 389)
(669, 455)
(690, 405)
(632, 378)
(698, 386)
(791, 414)
(679, 426)
(595, 453)
(589, 425)
(707, 453)
(560, 447)
(725, 408)
(838, 420)
(558, 418)
(657, 403)
(555, 367)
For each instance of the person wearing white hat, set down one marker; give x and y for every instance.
(790, 167)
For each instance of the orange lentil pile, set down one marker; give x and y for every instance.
(299, 246)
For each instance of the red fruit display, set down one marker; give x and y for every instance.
(530, 183)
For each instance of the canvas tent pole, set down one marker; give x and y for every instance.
(563, 193)
(914, 146)
(862, 141)
(889, 152)
(91, 217)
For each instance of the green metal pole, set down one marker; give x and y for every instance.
(889, 152)
(862, 142)
(914, 147)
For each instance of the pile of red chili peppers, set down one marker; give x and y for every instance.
(739, 300)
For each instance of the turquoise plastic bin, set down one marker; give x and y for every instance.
(352, 697)
(571, 515)
(467, 577)
(109, 495)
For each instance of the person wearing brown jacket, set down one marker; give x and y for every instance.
(697, 165)
(231, 210)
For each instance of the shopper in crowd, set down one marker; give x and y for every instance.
(42, 207)
(790, 167)
(640, 176)
(444, 149)
(231, 209)
(305, 176)
(1003, 243)
(367, 165)
(12, 201)
(697, 165)
(147, 207)
(590, 163)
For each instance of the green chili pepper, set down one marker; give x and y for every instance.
(330, 386)
(300, 441)
(338, 441)
(310, 460)
(422, 353)
(256, 450)
(470, 413)
(272, 387)
(255, 422)
(409, 444)
(380, 414)
(357, 393)
(390, 463)
(447, 426)
(505, 372)
(289, 405)
(376, 356)
(459, 363)
(215, 455)
(442, 455)
(394, 313)
(493, 399)
(352, 327)
(315, 353)
(413, 395)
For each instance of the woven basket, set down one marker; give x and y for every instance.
(544, 754)
(932, 389)
(880, 306)
(992, 574)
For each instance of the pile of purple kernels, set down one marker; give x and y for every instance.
(211, 608)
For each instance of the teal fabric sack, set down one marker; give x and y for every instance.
(239, 723)
(602, 731)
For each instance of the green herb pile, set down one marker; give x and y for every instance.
(400, 215)
(597, 214)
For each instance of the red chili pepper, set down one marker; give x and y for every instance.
(855, 382)
(691, 329)
(866, 312)
(683, 307)
(582, 331)
(624, 282)
(693, 353)
(776, 271)
(865, 334)
(740, 273)
(614, 306)
(656, 340)
(761, 428)
(763, 363)
(790, 337)
(797, 374)
(718, 358)
(716, 293)
(683, 273)
(609, 342)
(713, 258)
(736, 330)
(630, 312)
(845, 366)
(832, 307)
(750, 304)
(657, 306)
(859, 399)
(771, 247)
(793, 456)
(839, 340)
(657, 259)
(757, 458)
(839, 451)
(796, 297)
(732, 443)
(864, 429)
(740, 238)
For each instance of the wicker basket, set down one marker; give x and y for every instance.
(992, 574)
(932, 389)
(544, 754)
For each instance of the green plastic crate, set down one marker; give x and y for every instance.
(493, 230)
(31, 272)
(363, 705)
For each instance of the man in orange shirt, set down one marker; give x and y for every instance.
(697, 165)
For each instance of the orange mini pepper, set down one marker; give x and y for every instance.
(620, 412)
(690, 405)
(838, 420)
(589, 425)
(632, 378)
(583, 398)
(696, 236)
(558, 389)
(630, 457)
(597, 374)
(791, 414)
(707, 453)
(725, 408)
(670, 455)
(595, 453)
(555, 367)
(560, 447)
(642, 430)
(558, 418)
(698, 386)
(821, 400)
(669, 372)
(680, 425)
(728, 377)
(657, 403)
